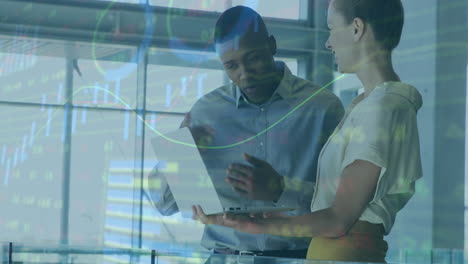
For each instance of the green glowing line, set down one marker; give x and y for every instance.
(258, 134)
(184, 143)
(168, 19)
(93, 45)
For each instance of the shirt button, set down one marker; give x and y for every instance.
(262, 109)
(261, 144)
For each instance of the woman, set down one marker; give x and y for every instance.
(368, 168)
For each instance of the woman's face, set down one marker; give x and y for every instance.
(341, 40)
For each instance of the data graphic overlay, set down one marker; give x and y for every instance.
(31, 157)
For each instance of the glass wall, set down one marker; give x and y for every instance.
(31, 165)
(466, 167)
(76, 137)
(466, 151)
(276, 8)
(176, 89)
(76, 145)
(267, 8)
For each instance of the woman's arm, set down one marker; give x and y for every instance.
(355, 190)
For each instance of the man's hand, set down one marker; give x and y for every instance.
(257, 182)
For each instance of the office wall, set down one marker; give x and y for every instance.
(415, 62)
(432, 57)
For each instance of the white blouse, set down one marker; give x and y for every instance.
(382, 129)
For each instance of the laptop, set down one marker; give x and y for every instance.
(180, 162)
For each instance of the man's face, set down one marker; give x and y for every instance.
(249, 63)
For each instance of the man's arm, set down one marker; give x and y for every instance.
(355, 190)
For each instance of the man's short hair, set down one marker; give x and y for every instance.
(237, 21)
(385, 16)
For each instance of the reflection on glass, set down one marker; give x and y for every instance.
(204, 5)
(155, 125)
(26, 77)
(31, 253)
(105, 84)
(346, 88)
(102, 178)
(176, 89)
(31, 157)
(170, 233)
(292, 64)
(266, 8)
(36, 258)
(165, 233)
(44, 253)
(126, 1)
(466, 162)
(272, 8)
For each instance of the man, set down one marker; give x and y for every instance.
(266, 116)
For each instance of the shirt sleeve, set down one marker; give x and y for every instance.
(160, 193)
(368, 136)
(385, 134)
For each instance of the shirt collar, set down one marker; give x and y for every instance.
(283, 90)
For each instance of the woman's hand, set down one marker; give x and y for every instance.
(199, 214)
(241, 222)
(254, 223)
(246, 223)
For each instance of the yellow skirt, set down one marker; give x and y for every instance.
(363, 243)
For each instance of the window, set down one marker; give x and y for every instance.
(31, 158)
(273, 8)
(105, 135)
(266, 8)
(203, 5)
(109, 84)
(292, 64)
(27, 77)
(174, 88)
(106, 132)
(346, 87)
(466, 166)
(102, 177)
(167, 233)
(125, 1)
